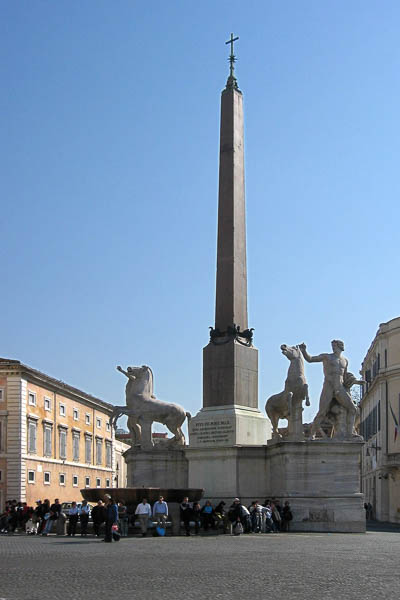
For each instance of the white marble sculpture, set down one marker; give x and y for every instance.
(143, 408)
(289, 403)
(336, 404)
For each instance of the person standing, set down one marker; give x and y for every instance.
(84, 516)
(123, 519)
(55, 510)
(287, 516)
(196, 515)
(160, 512)
(111, 518)
(186, 513)
(255, 510)
(143, 511)
(98, 517)
(73, 519)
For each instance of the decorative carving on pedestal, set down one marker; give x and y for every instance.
(143, 408)
(289, 403)
(233, 332)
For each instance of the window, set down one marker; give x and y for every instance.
(75, 480)
(107, 483)
(1, 475)
(87, 481)
(87, 419)
(2, 435)
(63, 443)
(31, 476)
(107, 425)
(75, 445)
(62, 410)
(46, 478)
(98, 482)
(98, 423)
(88, 449)
(62, 478)
(108, 454)
(1, 394)
(47, 403)
(47, 442)
(75, 413)
(32, 399)
(99, 453)
(32, 429)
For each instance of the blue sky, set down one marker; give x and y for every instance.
(110, 125)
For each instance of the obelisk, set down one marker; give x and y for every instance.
(230, 414)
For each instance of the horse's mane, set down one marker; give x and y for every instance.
(151, 379)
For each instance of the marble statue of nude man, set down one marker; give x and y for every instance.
(335, 373)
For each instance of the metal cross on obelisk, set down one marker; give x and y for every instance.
(232, 59)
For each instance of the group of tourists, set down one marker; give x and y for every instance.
(269, 517)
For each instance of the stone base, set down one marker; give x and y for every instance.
(228, 426)
(225, 473)
(158, 467)
(321, 480)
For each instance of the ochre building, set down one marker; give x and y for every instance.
(380, 416)
(54, 439)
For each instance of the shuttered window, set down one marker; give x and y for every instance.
(75, 445)
(99, 453)
(63, 443)
(32, 428)
(48, 431)
(108, 454)
(88, 449)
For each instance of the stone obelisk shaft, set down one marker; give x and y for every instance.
(230, 362)
(231, 289)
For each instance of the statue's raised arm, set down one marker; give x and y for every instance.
(308, 357)
(129, 375)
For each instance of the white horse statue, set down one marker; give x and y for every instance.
(143, 408)
(289, 403)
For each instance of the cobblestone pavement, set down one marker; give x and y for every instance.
(290, 566)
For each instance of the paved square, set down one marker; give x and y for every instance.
(289, 566)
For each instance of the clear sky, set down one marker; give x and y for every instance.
(109, 173)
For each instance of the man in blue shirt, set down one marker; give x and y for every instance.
(160, 512)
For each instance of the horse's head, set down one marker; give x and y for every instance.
(291, 352)
(143, 377)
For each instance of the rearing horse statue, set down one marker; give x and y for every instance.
(143, 408)
(289, 403)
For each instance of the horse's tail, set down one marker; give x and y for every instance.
(189, 416)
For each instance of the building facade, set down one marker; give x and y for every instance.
(380, 416)
(54, 439)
